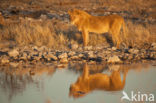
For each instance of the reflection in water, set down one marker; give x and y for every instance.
(50, 85)
(14, 84)
(93, 68)
(15, 80)
(99, 81)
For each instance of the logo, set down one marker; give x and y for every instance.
(137, 96)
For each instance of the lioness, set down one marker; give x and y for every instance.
(98, 24)
(99, 81)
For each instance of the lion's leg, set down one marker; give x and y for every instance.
(85, 37)
(85, 72)
(118, 41)
(115, 31)
(118, 37)
(114, 38)
(116, 80)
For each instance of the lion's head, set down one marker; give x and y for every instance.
(75, 16)
(79, 88)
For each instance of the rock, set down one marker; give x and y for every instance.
(133, 51)
(91, 62)
(99, 47)
(63, 55)
(37, 58)
(109, 49)
(35, 48)
(74, 57)
(80, 48)
(45, 54)
(63, 60)
(74, 46)
(13, 53)
(29, 56)
(114, 59)
(14, 64)
(80, 55)
(126, 51)
(62, 66)
(125, 56)
(52, 57)
(40, 54)
(88, 48)
(4, 60)
(42, 48)
(137, 57)
(130, 57)
(114, 48)
(154, 46)
(24, 56)
(107, 52)
(29, 19)
(143, 61)
(154, 54)
(71, 53)
(90, 54)
(44, 17)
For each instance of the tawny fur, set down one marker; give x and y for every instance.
(98, 24)
(88, 82)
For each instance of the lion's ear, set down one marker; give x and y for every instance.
(76, 11)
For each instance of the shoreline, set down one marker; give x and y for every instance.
(105, 55)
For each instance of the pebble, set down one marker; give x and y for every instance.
(14, 64)
(88, 48)
(71, 53)
(63, 60)
(114, 48)
(133, 51)
(24, 56)
(4, 60)
(90, 54)
(13, 53)
(35, 54)
(74, 46)
(53, 57)
(63, 55)
(114, 59)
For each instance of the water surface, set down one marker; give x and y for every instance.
(52, 85)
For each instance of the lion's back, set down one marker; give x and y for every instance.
(100, 24)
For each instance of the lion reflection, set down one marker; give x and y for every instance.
(88, 82)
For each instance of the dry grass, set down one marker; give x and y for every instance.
(139, 35)
(35, 32)
(46, 32)
(39, 33)
(28, 32)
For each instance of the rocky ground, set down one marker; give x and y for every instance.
(108, 55)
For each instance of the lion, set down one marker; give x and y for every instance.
(88, 82)
(86, 23)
